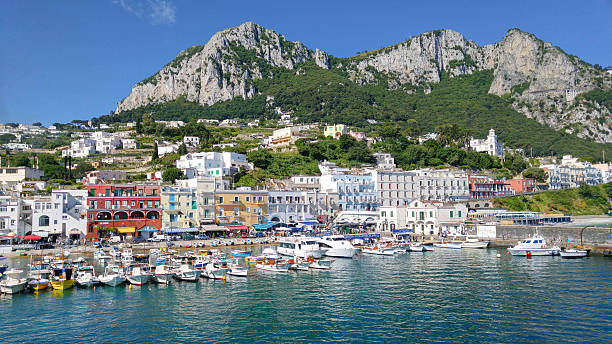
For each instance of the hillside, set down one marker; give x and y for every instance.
(586, 200)
(538, 80)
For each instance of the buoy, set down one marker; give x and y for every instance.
(94, 288)
(130, 287)
(498, 255)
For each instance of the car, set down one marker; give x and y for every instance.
(159, 238)
(202, 237)
(97, 244)
(114, 239)
(137, 240)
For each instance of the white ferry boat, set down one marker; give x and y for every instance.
(534, 246)
(337, 246)
(302, 247)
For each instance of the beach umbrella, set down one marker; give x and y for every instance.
(11, 234)
(31, 237)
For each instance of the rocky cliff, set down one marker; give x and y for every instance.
(541, 80)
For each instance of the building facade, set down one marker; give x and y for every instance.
(63, 214)
(355, 191)
(14, 175)
(490, 145)
(289, 206)
(334, 131)
(522, 185)
(213, 163)
(242, 206)
(180, 207)
(483, 187)
(436, 218)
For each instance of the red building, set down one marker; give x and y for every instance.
(523, 185)
(128, 209)
(482, 187)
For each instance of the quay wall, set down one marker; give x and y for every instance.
(595, 238)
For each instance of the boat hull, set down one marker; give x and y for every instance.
(12, 288)
(163, 278)
(87, 282)
(190, 276)
(448, 246)
(238, 272)
(341, 252)
(112, 281)
(62, 284)
(573, 254)
(525, 252)
(139, 279)
(475, 245)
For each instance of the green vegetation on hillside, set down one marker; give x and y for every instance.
(585, 200)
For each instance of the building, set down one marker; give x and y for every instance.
(390, 218)
(15, 216)
(384, 161)
(522, 185)
(103, 176)
(17, 146)
(325, 204)
(62, 215)
(398, 188)
(289, 206)
(164, 148)
(218, 164)
(205, 187)
(124, 209)
(130, 144)
(572, 173)
(304, 183)
(355, 191)
(209, 121)
(283, 137)
(334, 131)
(243, 206)
(358, 135)
(80, 148)
(228, 123)
(180, 208)
(191, 141)
(490, 145)
(482, 187)
(606, 171)
(15, 175)
(436, 218)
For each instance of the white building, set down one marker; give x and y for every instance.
(390, 218)
(490, 145)
(283, 137)
(80, 148)
(436, 218)
(289, 206)
(191, 141)
(399, 188)
(17, 146)
(384, 161)
(228, 122)
(572, 173)
(208, 121)
(15, 216)
(164, 148)
(14, 175)
(63, 214)
(129, 144)
(218, 164)
(172, 124)
(103, 176)
(107, 144)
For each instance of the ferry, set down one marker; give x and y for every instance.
(337, 246)
(302, 247)
(534, 246)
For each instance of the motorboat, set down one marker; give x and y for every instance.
(138, 274)
(273, 265)
(86, 277)
(111, 277)
(101, 256)
(301, 264)
(416, 248)
(238, 270)
(450, 245)
(186, 273)
(241, 254)
(126, 257)
(378, 250)
(337, 246)
(471, 242)
(62, 279)
(162, 274)
(321, 264)
(534, 246)
(38, 283)
(216, 270)
(573, 253)
(302, 247)
(13, 284)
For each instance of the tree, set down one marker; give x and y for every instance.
(536, 173)
(20, 160)
(260, 158)
(182, 150)
(37, 124)
(155, 155)
(171, 174)
(6, 138)
(82, 169)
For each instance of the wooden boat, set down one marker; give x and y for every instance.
(112, 278)
(162, 274)
(573, 253)
(273, 265)
(451, 245)
(62, 278)
(378, 251)
(321, 264)
(137, 275)
(186, 273)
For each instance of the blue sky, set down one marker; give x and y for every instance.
(65, 60)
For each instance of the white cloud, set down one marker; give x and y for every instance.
(160, 12)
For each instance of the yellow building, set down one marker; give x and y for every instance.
(247, 207)
(180, 208)
(335, 130)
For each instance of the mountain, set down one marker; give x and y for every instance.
(535, 78)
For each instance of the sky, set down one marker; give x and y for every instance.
(66, 60)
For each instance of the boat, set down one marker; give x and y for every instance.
(573, 253)
(534, 246)
(273, 265)
(474, 243)
(186, 273)
(63, 255)
(101, 256)
(86, 277)
(112, 278)
(138, 275)
(38, 284)
(255, 259)
(416, 248)
(62, 279)
(241, 254)
(321, 264)
(236, 269)
(378, 250)
(162, 274)
(450, 245)
(301, 247)
(215, 270)
(13, 284)
(301, 264)
(337, 246)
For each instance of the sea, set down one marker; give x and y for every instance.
(444, 296)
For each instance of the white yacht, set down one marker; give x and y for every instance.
(471, 242)
(337, 246)
(302, 247)
(13, 284)
(573, 253)
(534, 246)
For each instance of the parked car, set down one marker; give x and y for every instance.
(159, 238)
(202, 237)
(114, 239)
(137, 240)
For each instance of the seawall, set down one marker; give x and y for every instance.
(598, 239)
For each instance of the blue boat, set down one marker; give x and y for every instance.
(241, 254)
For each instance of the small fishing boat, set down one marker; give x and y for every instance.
(378, 251)
(38, 284)
(13, 284)
(573, 253)
(236, 269)
(186, 273)
(474, 243)
(450, 245)
(138, 274)
(86, 277)
(534, 246)
(215, 270)
(162, 274)
(112, 278)
(416, 248)
(321, 264)
(273, 265)
(101, 256)
(62, 279)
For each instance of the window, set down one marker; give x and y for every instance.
(451, 213)
(171, 197)
(248, 198)
(236, 211)
(459, 213)
(383, 214)
(221, 199)
(150, 204)
(235, 198)
(431, 214)
(43, 221)
(133, 203)
(391, 214)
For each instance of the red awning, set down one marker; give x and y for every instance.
(237, 228)
(31, 237)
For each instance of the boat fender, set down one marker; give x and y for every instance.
(528, 253)
(541, 246)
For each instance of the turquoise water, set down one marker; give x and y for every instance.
(441, 296)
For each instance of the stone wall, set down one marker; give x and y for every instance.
(561, 236)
